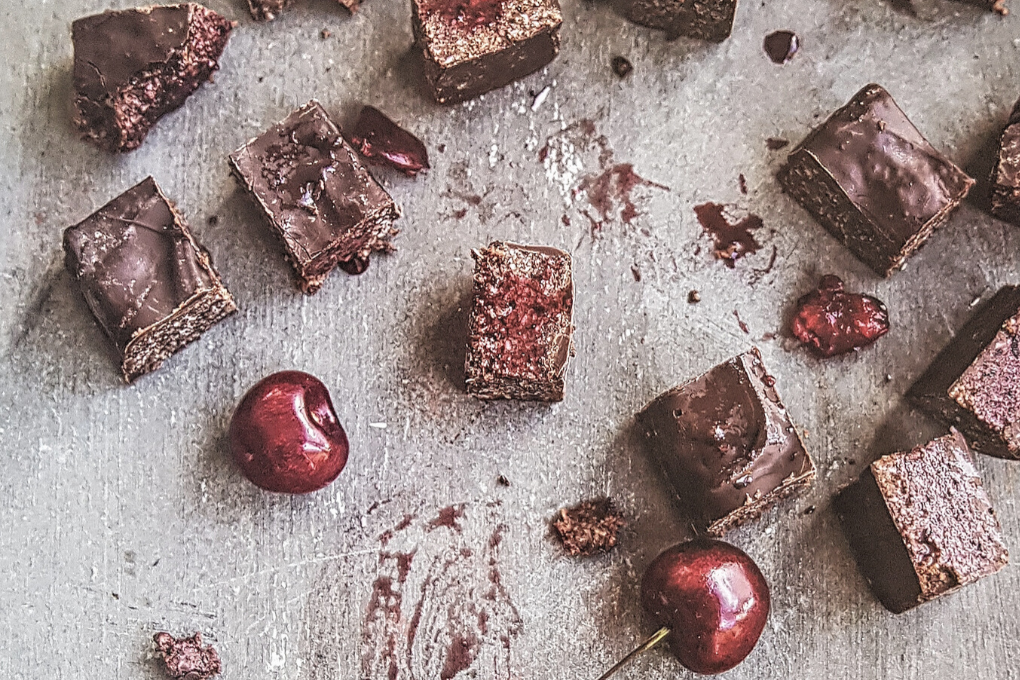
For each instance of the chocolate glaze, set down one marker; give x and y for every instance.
(726, 443)
(134, 262)
(700, 19)
(321, 201)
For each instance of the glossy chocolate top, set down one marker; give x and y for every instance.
(135, 261)
(935, 498)
(309, 181)
(725, 438)
(111, 47)
(884, 165)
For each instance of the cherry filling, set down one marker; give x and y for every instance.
(381, 140)
(831, 321)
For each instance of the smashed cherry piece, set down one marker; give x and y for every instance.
(187, 658)
(285, 435)
(831, 321)
(379, 139)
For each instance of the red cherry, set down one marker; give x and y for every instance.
(831, 321)
(713, 599)
(285, 435)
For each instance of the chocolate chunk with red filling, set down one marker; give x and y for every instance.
(974, 383)
(702, 19)
(869, 177)
(148, 282)
(832, 321)
(320, 201)
(1006, 175)
(589, 527)
(132, 67)
(921, 525)
(381, 140)
(726, 444)
(187, 658)
(473, 46)
(520, 325)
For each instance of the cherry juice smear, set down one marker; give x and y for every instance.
(733, 237)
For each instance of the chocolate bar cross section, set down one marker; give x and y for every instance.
(148, 282)
(520, 326)
(320, 201)
(868, 176)
(921, 525)
(726, 444)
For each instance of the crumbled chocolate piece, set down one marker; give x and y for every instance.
(701, 19)
(186, 658)
(502, 481)
(693, 297)
(776, 143)
(622, 66)
(132, 67)
(590, 527)
(379, 139)
(781, 46)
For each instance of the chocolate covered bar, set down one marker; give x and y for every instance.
(132, 67)
(1005, 191)
(870, 178)
(266, 10)
(472, 46)
(701, 19)
(974, 383)
(148, 282)
(520, 326)
(920, 524)
(726, 444)
(321, 202)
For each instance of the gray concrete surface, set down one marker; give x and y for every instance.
(121, 514)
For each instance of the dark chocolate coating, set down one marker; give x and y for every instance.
(137, 266)
(133, 66)
(523, 301)
(320, 200)
(726, 444)
(470, 47)
(1005, 189)
(974, 383)
(870, 178)
(920, 524)
(701, 19)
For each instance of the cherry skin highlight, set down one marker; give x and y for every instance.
(285, 435)
(714, 600)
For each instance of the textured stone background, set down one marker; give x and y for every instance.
(121, 514)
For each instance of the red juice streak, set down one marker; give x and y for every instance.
(740, 322)
(448, 517)
(614, 186)
(460, 654)
(733, 237)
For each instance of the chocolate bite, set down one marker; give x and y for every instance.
(974, 383)
(1005, 190)
(920, 524)
(870, 178)
(187, 658)
(319, 199)
(131, 67)
(148, 282)
(701, 19)
(520, 325)
(589, 527)
(473, 46)
(726, 444)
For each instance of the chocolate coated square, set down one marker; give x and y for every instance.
(974, 383)
(870, 178)
(701, 19)
(473, 46)
(131, 67)
(920, 524)
(1006, 175)
(726, 444)
(148, 282)
(520, 326)
(321, 202)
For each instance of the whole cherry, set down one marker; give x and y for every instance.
(285, 435)
(711, 602)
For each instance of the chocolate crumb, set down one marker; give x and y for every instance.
(589, 527)
(743, 183)
(213, 220)
(325, 33)
(441, 148)
(776, 143)
(693, 297)
(502, 481)
(622, 66)
(355, 265)
(186, 657)
(810, 510)
(636, 272)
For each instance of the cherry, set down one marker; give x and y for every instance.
(285, 435)
(831, 321)
(711, 602)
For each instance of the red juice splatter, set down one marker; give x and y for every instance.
(733, 237)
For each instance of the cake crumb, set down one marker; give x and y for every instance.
(589, 527)
(693, 297)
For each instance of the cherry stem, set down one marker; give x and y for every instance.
(656, 638)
